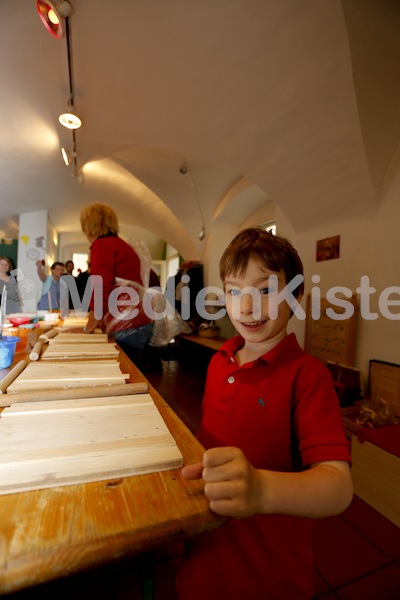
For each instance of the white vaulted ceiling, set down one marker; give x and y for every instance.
(294, 102)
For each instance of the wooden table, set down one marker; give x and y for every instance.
(214, 343)
(50, 533)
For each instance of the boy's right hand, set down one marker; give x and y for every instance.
(232, 485)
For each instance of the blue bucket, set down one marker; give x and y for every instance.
(8, 344)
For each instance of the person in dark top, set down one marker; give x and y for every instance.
(81, 281)
(69, 268)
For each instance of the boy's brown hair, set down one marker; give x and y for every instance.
(268, 250)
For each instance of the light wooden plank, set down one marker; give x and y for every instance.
(71, 443)
(80, 350)
(73, 321)
(40, 375)
(20, 439)
(88, 468)
(120, 420)
(79, 450)
(40, 370)
(83, 338)
(39, 367)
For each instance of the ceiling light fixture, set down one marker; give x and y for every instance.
(53, 16)
(70, 119)
(68, 156)
(202, 233)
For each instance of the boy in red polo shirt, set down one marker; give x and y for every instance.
(276, 455)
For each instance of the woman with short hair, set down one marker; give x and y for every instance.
(113, 259)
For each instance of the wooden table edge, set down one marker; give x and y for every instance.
(23, 571)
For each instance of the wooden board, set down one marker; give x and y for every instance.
(80, 350)
(384, 383)
(46, 445)
(376, 478)
(81, 338)
(58, 375)
(73, 322)
(330, 339)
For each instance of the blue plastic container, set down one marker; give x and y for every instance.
(8, 344)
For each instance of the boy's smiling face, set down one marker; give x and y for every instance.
(254, 323)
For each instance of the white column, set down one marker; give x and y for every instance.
(38, 240)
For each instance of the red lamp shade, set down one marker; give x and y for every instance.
(52, 15)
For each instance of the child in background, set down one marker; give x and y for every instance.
(276, 454)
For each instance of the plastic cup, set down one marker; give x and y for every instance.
(21, 334)
(7, 350)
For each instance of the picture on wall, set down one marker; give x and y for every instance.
(328, 248)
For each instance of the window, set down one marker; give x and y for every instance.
(80, 262)
(172, 261)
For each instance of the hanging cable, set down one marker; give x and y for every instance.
(186, 169)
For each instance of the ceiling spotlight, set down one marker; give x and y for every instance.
(67, 156)
(53, 15)
(70, 120)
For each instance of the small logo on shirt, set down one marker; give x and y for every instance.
(261, 402)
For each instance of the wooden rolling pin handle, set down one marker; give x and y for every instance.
(11, 376)
(36, 351)
(98, 391)
(48, 335)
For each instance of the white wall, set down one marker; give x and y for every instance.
(367, 247)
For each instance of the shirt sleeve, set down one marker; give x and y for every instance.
(317, 419)
(46, 285)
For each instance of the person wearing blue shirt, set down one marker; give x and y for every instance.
(50, 298)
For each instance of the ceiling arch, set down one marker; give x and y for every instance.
(297, 98)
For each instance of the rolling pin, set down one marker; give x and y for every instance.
(10, 377)
(36, 350)
(48, 335)
(100, 391)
